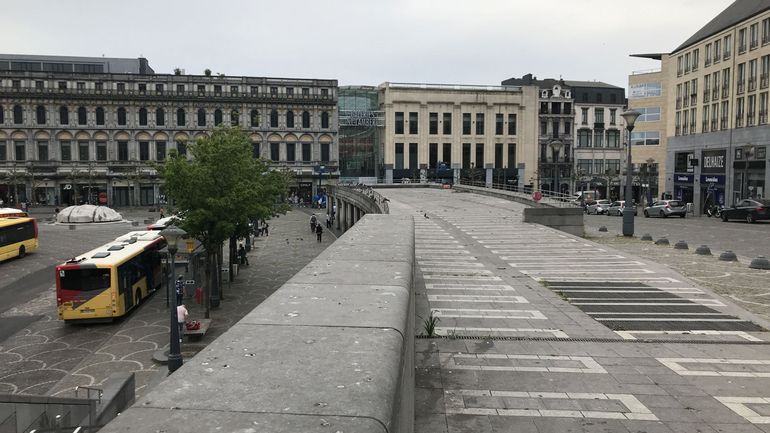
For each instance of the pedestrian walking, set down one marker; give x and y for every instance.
(328, 222)
(266, 229)
(179, 288)
(244, 259)
(313, 222)
(319, 231)
(181, 318)
(162, 213)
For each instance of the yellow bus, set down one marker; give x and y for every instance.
(18, 236)
(109, 281)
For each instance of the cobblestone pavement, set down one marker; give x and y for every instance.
(49, 357)
(742, 238)
(544, 332)
(749, 288)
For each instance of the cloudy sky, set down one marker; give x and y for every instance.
(364, 41)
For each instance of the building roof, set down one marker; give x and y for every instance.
(529, 80)
(739, 11)
(653, 56)
(108, 64)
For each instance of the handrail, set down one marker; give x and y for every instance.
(89, 389)
(549, 198)
(379, 201)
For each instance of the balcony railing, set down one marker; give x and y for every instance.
(752, 84)
(741, 87)
(763, 81)
(706, 94)
(725, 92)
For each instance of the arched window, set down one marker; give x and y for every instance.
(180, 117)
(234, 118)
(217, 117)
(143, 116)
(160, 117)
(274, 119)
(99, 116)
(325, 119)
(201, 117)
(40, 115)
(64, 116)
(305, 119)
(18, 115)
(254, 118)
(290, 119)
(121, 116)
(82, 120)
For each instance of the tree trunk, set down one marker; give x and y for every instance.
(221, 260)
(233, 257)
(208, 283)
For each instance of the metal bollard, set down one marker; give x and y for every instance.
(646, 237)
(703, 250)
(681, 245)
(662, 241)
(728, 256)
(760, 262)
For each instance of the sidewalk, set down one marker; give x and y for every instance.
(51, 358)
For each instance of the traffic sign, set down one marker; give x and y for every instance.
(537, 196)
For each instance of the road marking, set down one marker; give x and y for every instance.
(471, 313)
(598, 258)
(454, 271)
(663, 319)
(455, 403)
(493, 332)
(629, 335)
(675, 364)
(454, 277)
(460, 286)
(458, 264)
(607, 279)
(502, 299)
(550, 264)
(466, 362)
(589, 271)
(738, 405)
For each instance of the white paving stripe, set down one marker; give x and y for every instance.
(644, 301)
(466, 360)
(598, 257)
(589, 271)
(583, 289)
(604, 264)
(739, 404)
(454, 271)
(473, 313)
(454, 277)
(498, 299)
(494, 332)
(675, 364)
(455, 403)
(460, 286)
(457, 263)
(528, 252)
(607, 279)
(664, 319)
(630, 335)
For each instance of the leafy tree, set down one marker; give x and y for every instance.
(219, 192)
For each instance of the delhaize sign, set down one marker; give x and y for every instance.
(713, 161)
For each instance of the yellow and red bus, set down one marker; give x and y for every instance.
(18, 236)
(109, 281)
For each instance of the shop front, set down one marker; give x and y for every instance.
(749, 172)
(683, 187)
(713, 178)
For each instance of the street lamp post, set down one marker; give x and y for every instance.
(747, 151)
(172, 234)
(556, 150)
(628, 211)
(650, 161)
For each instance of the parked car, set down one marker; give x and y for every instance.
(666, 208)
(616, 208)
(749, 209)
(598, 207)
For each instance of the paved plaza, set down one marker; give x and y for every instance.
(541, 331)
(45, 356)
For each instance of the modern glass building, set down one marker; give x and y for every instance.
(360, 132)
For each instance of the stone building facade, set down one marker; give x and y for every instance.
(68, 137)
(485, 133)
(717, 108)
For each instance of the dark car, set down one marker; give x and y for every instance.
(749, 209)
(666, 208)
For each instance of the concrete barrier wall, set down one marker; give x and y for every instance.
(566, 219)
(331, 350)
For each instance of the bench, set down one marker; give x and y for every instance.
(197, 334)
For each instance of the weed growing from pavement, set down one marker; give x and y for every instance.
(429, 324)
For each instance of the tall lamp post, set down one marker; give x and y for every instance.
(628, 212)
(748, 151)
(555, 154)
(172, 234)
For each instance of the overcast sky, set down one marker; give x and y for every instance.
(364, 42)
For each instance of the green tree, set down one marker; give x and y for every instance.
(219, 191)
